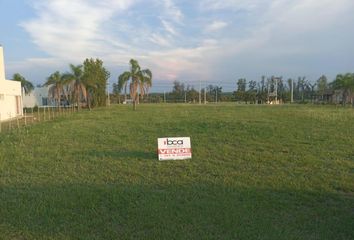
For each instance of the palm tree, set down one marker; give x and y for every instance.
(56, 81)
(140, 81)
(76, 83)
(26, 85)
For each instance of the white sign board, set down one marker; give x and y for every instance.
(174, 148)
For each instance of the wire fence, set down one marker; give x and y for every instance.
(35, 115)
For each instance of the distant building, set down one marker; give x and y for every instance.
(10, 94)
(37, 97)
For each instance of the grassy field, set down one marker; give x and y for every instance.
(258, 172)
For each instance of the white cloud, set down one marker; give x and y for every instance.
(172, 42)
(65, 26)
(231, 4)
(172, 12)
(169, 27)
(160, 40)
(216, 25)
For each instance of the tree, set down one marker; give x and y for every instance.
(95, 78)
(116, 92)
(178, 92)
(241, 89)
(77, 85)
(25, 84)
(346, 84)
(140, 81)
(322, 85)
(251, 94)
(213, 93)
(78, 89)
(301, 88)
(192, 94)
(56, 81)
(262, 93)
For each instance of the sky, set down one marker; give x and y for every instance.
(191, 41)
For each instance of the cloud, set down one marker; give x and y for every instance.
(178, 41)
(216, 25)
(231, 4)
(172, 11)
(64, 26)
(160, 40)
(169, 27)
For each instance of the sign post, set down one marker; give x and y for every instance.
(174, 148)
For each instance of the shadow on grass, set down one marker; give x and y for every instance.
(198, 211)
(121, 154)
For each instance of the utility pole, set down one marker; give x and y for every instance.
(200, 92)
(164, 96)
(205, 95)
(185, 96)
(292, 91)
(276, 90)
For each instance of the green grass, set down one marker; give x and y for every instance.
(258, 172)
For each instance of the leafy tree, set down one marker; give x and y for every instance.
(262, 91)
(95, 78)
(116, 92)
(192, 94)
(241, 90)
(301, 88)
(322, 85)
(346, 84)
(178, 92)
(251, 94)
(213, 93)
(25, 84)
(140, 81)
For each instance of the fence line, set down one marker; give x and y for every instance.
(35, 115)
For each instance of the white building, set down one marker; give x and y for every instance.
(10, 94)
(37, 97)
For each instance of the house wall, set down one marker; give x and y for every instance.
(10, 94)
(37, 97)
(10, 100)
(2, 64)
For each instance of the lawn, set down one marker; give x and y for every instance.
(258, 172)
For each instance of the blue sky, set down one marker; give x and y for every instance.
(212, 41)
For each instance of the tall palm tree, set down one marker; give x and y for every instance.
(56, 81)
(77, 84)
(140, 81)
(25, 84)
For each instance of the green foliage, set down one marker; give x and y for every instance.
(25, 84)
(95, 78)
(258, 172)
(76, 87)
(56, 82)
(139, 81)
(346, 84)
(240, 93)
(322, 85)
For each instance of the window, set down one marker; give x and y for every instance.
(44, 101)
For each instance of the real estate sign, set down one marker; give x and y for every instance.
(174, 148)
